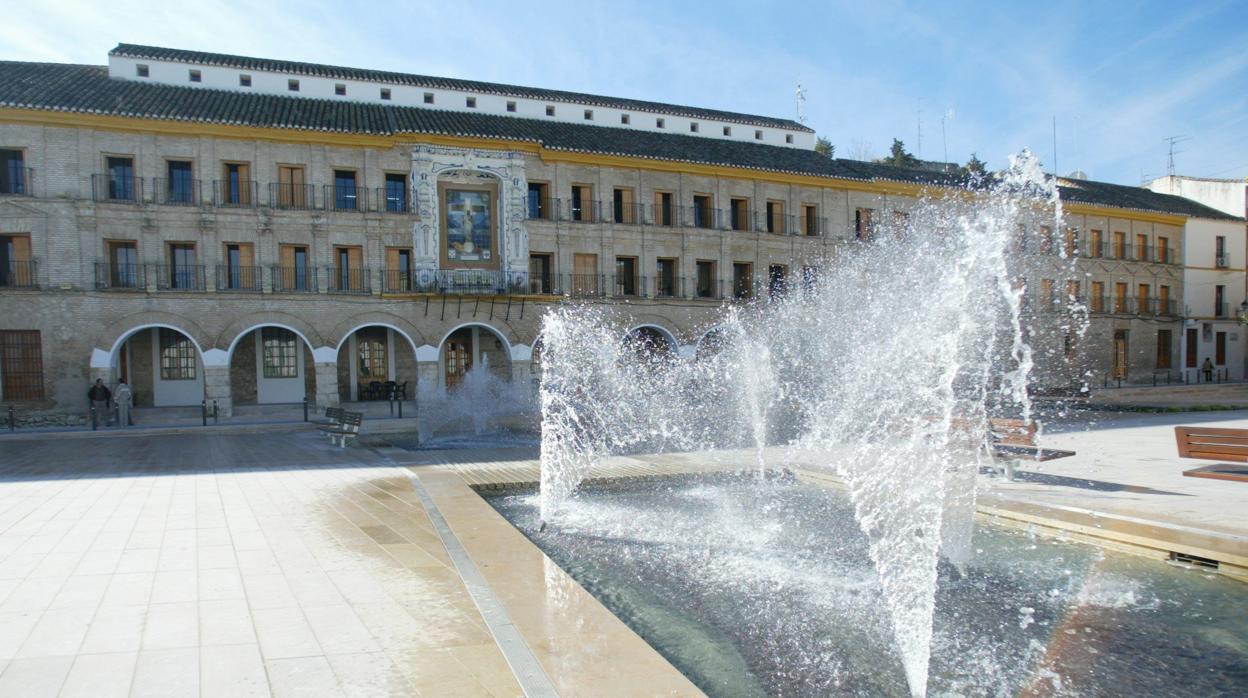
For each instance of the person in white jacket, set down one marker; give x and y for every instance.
(124, 400)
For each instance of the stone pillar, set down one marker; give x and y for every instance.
(427, 378)
(217, 387)
(326, 384)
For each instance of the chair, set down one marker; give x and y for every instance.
(373, 391)
(388, 390)
(399, 390)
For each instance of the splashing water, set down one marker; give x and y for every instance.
(885, 366)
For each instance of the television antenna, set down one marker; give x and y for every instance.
(1172, 140)
(800, 96)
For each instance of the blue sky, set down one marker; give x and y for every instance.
(1119, 77)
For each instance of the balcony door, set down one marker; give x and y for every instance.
(585, 274)
(123, 264)
(15, 262)
(372, 358)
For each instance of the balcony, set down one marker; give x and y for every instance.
(701, 217)
(235, 194)
(585, 211)
(292, 279)
(117, 188)
(1220, 310)
(19, 274)
(542, 209)
(775, 224)
(584, 285)
(1222, 261)
(175, 192)
(667, 287)
(341, 198)
(666, 216)
(241, 279)
(178, 277)
(120, 277)
(627, 214)
(392, 201)
(292, 197)
(19, 182)
(348, 280)
(471, 282)
(1164, 255)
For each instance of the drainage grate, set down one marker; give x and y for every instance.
(1194, 560)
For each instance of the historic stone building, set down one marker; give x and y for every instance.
(242, 230)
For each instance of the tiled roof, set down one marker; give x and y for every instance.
(332, 71)
(88, 89)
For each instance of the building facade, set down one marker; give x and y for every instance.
(246, 231)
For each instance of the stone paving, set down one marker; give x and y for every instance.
(227, 565)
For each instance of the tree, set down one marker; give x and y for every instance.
(824, 146)
(898, 157)
(975, 167)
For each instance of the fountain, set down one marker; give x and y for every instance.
(879, 369)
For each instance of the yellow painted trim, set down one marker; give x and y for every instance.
(1218, 269)
(1079, 209)
(127, 124)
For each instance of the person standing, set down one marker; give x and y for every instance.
(100, 397)
(1207, 369)
(124, 400)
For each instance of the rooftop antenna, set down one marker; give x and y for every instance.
(947, 116)
(1172, 140)
(1055, 170)
(800, 96)
(918, 150)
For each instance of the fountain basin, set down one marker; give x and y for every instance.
(756, 587)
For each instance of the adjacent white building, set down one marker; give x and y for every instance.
(1215, 285)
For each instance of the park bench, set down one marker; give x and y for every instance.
(348, 428)
(1011, 441)
(1214, 443)
(333, 416)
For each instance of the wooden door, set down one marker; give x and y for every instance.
(1193, 345)
(291, 192)
(19, 261)
(373, 364)
(458, 357)
(1141, 300)
(585, 273)
(1120, 354)
(1219, 349)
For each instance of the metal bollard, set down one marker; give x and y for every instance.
(391, 402)
(400, 409)
(214, 412)
(305, 408)
(12, 419)
(203, 413)
(95, 419)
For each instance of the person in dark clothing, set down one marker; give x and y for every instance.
(101, 398)
(1207, 369)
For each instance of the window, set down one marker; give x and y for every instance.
(348, 269)
(240, 270)
(196, 76)
(470, 102)
(625, 276)
(727, 130)
(180, 185)
(141, 70)
(693, 127)
(775, 217)
(1163, 250)
(13, 172)
(123, 264)
(291, 191)
(758, 134)
(624, 119)
(385, 93)
(660, 123)
(21, 365)
(1120, 297)
(665, 278)
(788, 138)
(244, 80)
(511, 106)
(1193, 343)
(293, 273)
(539, 273)
(1120, 244)
(292, 85)
(550, 110)
(396, 192)
(280, 352)
(1141, 248)
(177, 356)
(1219, 301)
(1095, 243)
(1046, 239)
(583, 203)
(664, 210)
(862, 224)
(742, 280)
(183, 271)
(777, 280)
(810, 219)
(346, 195)
(1072, 290)
(706, 279)
(398, 269)
(703, 216)
(17, 269)
(1163, 300)
(739, 211)
(236, 189)
(623, 206)
(539, 200)
(1046, 295)
(121, 182)
(1219, 348)
(589, 114)
(1071, 242)
(1141, 299)
(340, 89)
(1219, 251)
(1098, 297)
(428, 98)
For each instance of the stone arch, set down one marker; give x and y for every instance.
(465, 347)
(659, 329)
(141, 366)
(676, 331)
(339, 334)
(507, 343)
(294, 374)
(110, 340)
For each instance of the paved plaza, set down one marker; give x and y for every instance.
(218, 563)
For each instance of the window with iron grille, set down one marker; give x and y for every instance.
(21, 365)
(281, 353)
(177, 356)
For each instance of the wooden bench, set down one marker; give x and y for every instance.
(348, 428)
(1010, 440)
(333, 416)
(1214, 443)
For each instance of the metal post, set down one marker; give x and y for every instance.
(12, 420)
(214, 412)
(203, 413)
(305, 408)
(95, 419)
(391, 403)
(400, 409)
